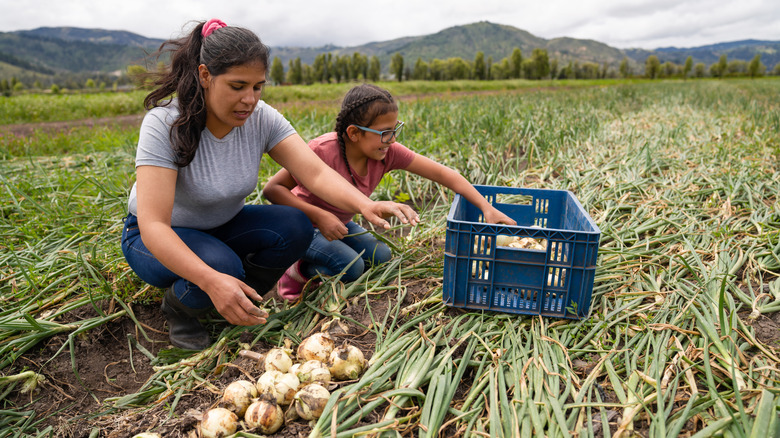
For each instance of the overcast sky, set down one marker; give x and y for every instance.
(644, 24)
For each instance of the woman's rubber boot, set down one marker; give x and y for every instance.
(260, 278)
(184, 329)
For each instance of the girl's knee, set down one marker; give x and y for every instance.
(381, 254)
(354, 271)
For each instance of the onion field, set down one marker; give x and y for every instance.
(682, 337)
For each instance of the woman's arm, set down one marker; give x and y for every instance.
(452, 179)
(295, 156)
(155, 188)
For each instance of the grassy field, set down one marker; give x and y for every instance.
(682, 339)
(33, 108)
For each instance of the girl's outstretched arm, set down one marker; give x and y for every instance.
(295, 156)
(452, 179)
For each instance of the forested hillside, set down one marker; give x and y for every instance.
(75, 57)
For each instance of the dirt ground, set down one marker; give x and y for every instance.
(28, 129)
(108, 367)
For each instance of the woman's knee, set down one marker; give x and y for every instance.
(300, 230)
(219, 257)
(294, 232)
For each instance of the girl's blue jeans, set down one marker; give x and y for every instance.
(332, 257)
(272, 236)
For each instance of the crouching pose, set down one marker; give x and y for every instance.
(188, 228)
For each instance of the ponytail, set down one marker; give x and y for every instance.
(221, 48)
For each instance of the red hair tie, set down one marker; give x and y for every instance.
(211, 26)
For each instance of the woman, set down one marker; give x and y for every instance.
(188, 228)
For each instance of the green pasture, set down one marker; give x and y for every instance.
(682, 177)
(35, 108)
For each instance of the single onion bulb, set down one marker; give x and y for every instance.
(266, 384)
(310, 401)
(346, 363)
(238, 396)
(277, 359)
(277, 386)
(218, 423)
(313, 371)
(316, 347)
(264, 415)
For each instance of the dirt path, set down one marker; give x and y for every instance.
(28, 129)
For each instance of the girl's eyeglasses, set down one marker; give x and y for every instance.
(385, 136)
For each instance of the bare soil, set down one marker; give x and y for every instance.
(74, 403)
(28, 129)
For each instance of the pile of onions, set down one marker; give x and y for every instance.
(302, 384)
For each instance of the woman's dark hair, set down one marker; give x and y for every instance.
(361, 106)
(224, 48)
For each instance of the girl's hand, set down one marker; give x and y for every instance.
(231, 298)
(493, 216)
(331, 226)
(376, 211)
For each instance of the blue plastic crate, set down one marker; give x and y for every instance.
(556, 281)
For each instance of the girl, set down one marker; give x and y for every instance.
(188, 228)
(361, 150)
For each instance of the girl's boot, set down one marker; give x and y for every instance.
(291, 284)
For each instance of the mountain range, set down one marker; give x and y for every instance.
(58, 50)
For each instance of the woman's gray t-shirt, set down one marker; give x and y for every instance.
(212, 189)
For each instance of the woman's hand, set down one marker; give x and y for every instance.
(231, 298)
(293, 154)
(330, 226)
(493, 216)
(376, 211)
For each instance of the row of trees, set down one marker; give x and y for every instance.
(723, 68)
(328, 68)
(70, 81)
(334, 68)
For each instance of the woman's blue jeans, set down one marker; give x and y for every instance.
(272, 236)
(332, 257)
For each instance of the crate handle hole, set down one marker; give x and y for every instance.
(517, 242)
(515, 199)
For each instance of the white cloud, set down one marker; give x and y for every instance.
(627, 23)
